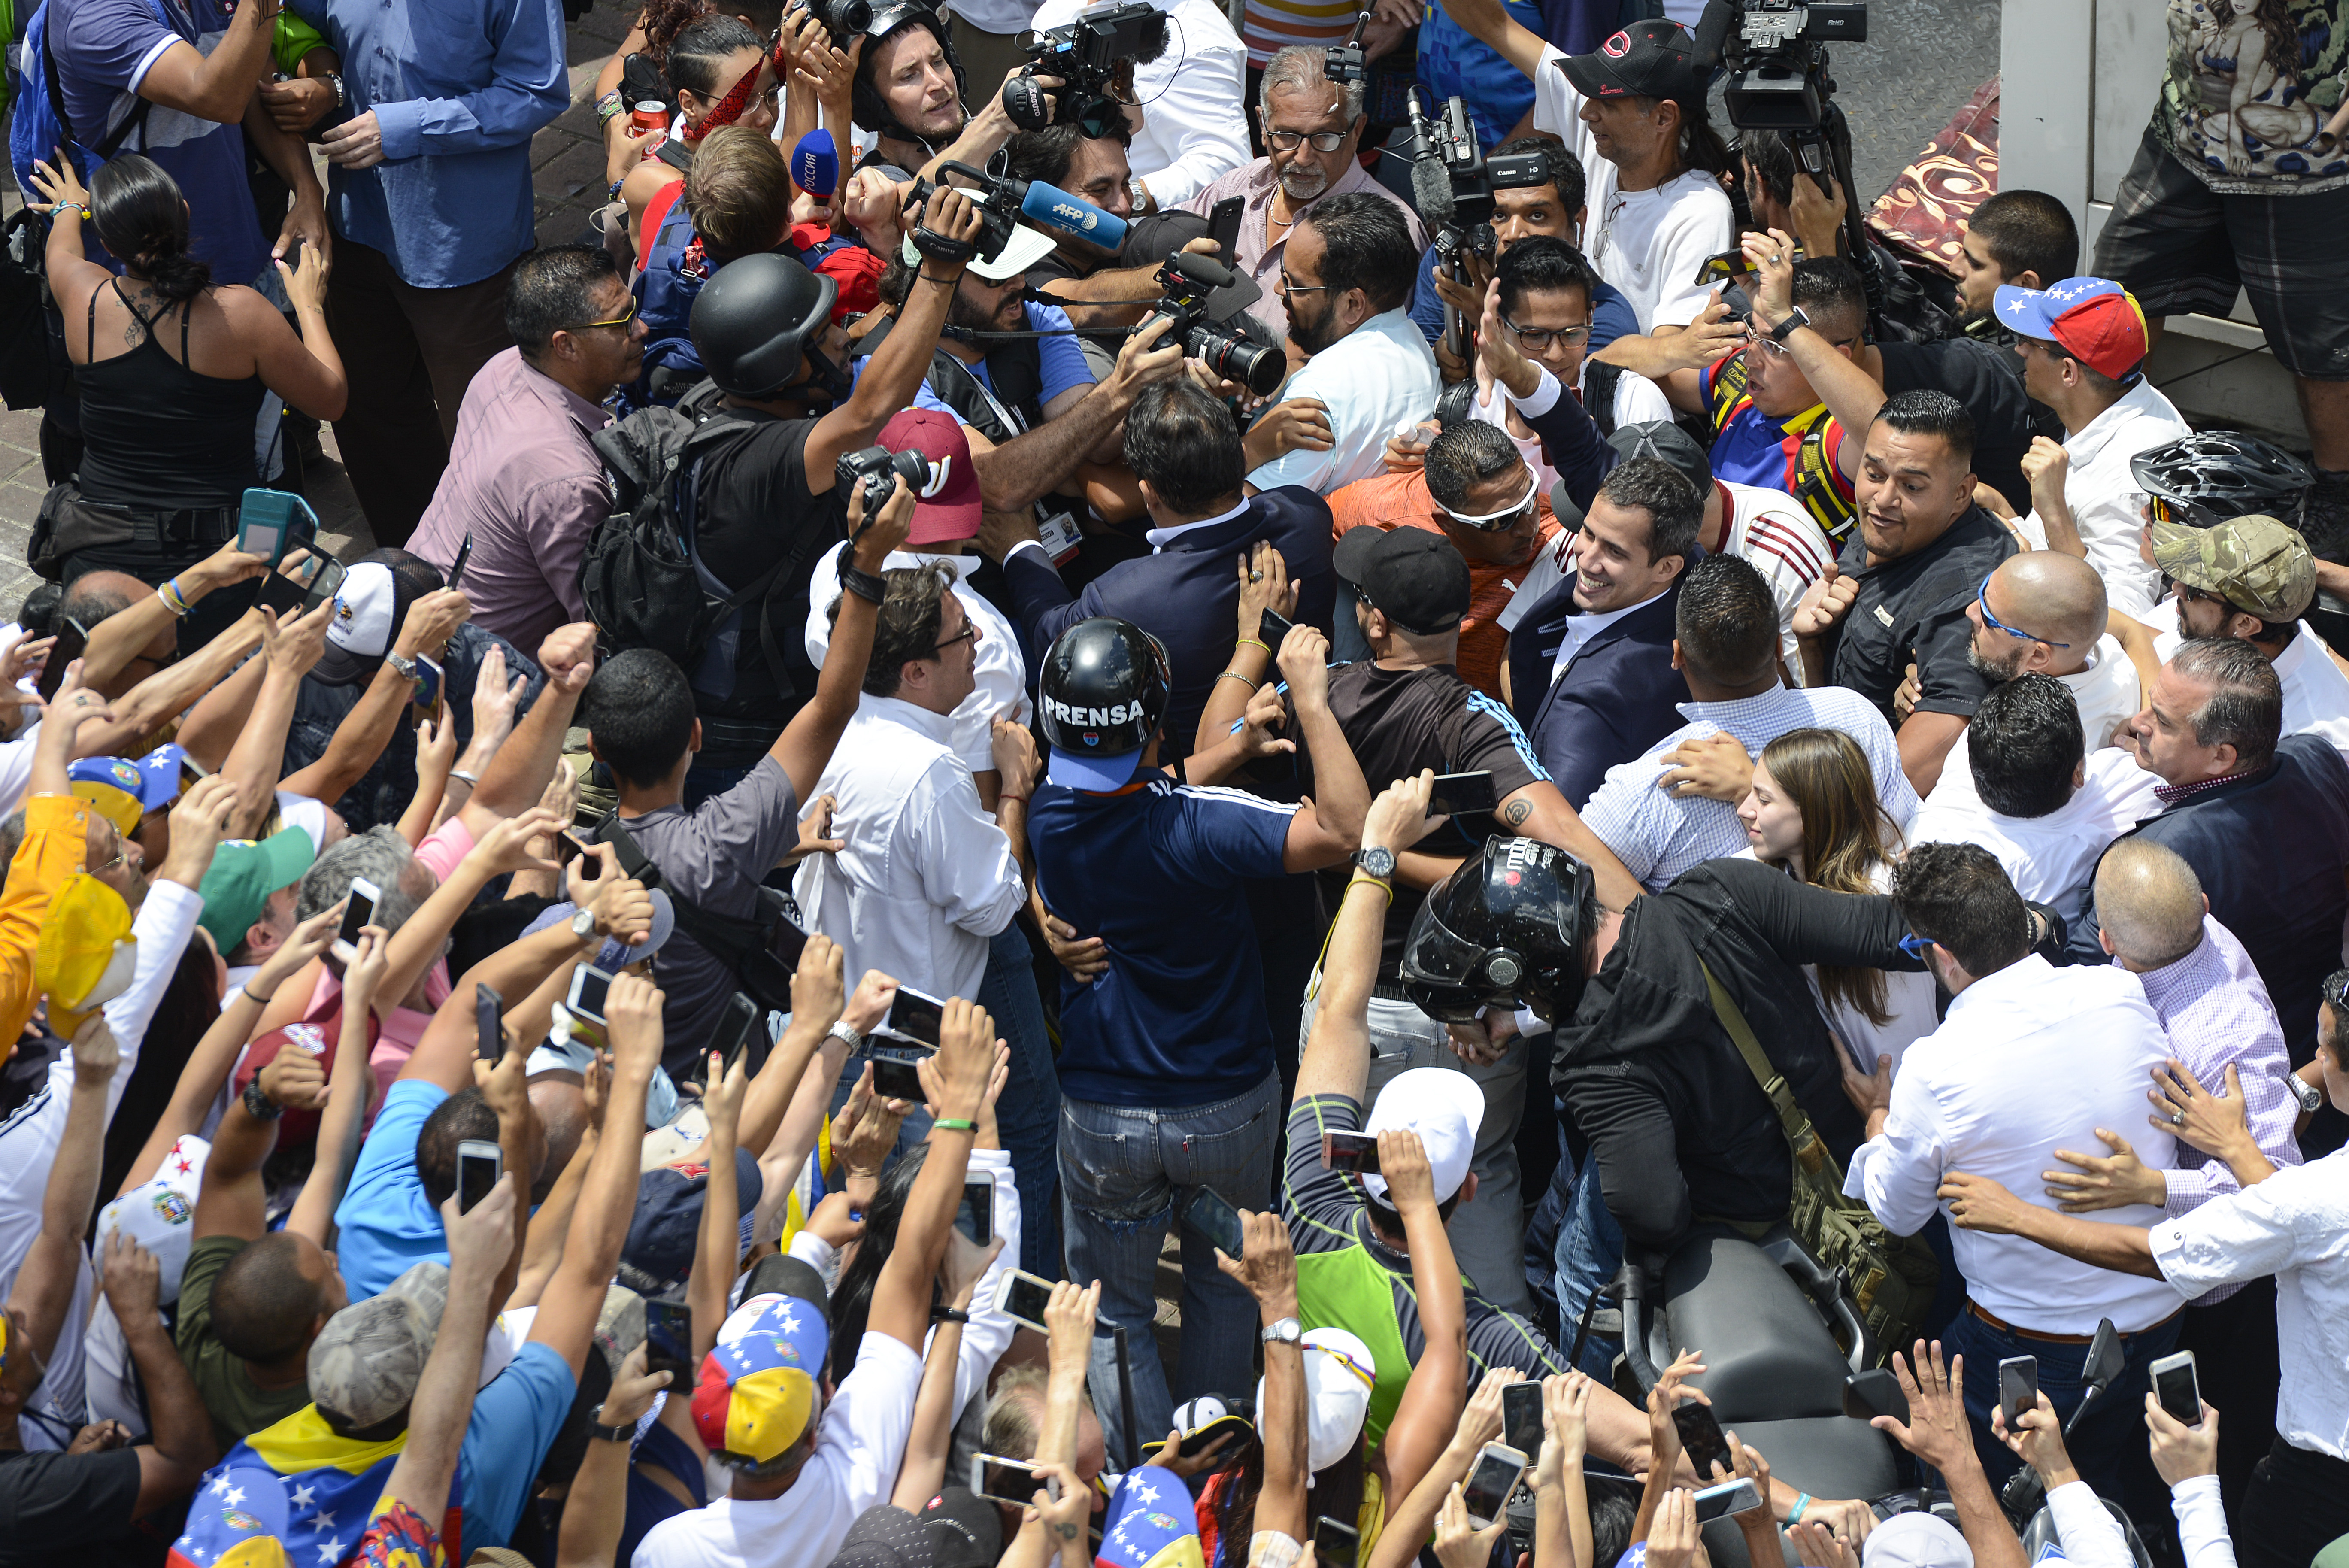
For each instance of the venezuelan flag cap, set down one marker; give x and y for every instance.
(757, 1392)
(1151, 1523)
(2093, 319)
(114, 786)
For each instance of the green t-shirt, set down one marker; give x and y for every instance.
(238, 1408)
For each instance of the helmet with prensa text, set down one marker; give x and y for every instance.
(1505, 930)
(1102, 696)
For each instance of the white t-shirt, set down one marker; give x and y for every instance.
(2105, 689)
(1648, 244)
(855, 1464)
(2051, 857)
(1774, 533)
(1378, 379)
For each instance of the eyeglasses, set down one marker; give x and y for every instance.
(970, 633)
(1499, 521)
(1538, 337)
(1982, 594)
(1322, 141)
(620, 320)
(1777, 350)
(1914, 946)
(1290, 285)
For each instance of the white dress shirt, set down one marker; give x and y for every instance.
(1658, 836)
(2107, 691)
(2050, 858)
(2295, 1226)
(2030, 1060)
(1159, 538)
(1002, 673)
(926, 878)
(1378, 379)
(1648, 244)
(2103, 497)
(1194, 123)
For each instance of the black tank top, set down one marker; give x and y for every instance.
(158, 436)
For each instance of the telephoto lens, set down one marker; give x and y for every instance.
(1234, 358)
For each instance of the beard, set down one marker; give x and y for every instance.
(972, 315)
(2001, 673)
(1304, 179)
(1313, 334)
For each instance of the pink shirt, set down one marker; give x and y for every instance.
(524, 481)
(403, 1027)
(1260, 246)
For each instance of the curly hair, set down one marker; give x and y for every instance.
(664, 20)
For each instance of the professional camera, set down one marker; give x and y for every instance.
(843, 19)
(1777, 58)
(878, 470)
(1188, 279)
(1094, 57)
(1003, 202)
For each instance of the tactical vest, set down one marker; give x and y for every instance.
(1815, 471)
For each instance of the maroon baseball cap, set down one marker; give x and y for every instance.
(947, 509)
(1646, 59)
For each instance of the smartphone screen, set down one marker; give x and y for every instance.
(2018, 1389)
(457, 566)
(897, 1078)
(1024, 1298)
(356, 912)
(1354, 1151)
(589, 987)
(669, 1340)
(1701, 1436)
(734, 1036)
(1013, 1482)
(479, 1166)
(1521, 1416)
(916, 1016)
(489, 1025)
(567, 848)
(1218, 1221)
(1224, 226)
(2176, 1386)
(1335, 1544)
(1730, 1497)
(1457, 792)
(976, 1217)
(1490, 1483)
(1271, 627)
(425, 693)
(325, 583)
(257, 535)
(72, 638)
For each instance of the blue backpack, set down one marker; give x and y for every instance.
(40, 126)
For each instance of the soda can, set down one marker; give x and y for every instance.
(650, 115)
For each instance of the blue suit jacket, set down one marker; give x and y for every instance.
(1620, 696)
(1187, 596)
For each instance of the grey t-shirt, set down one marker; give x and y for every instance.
(713, 857)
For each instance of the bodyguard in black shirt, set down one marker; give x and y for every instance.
(1897, 596)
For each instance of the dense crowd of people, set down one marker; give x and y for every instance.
(1110, 821)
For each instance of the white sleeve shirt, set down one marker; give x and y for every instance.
(2202, 1523)
(1194, 122)
(2091, 1538)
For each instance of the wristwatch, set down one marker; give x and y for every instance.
(2309, 1095)
(342, 99)
(259, 1105)
(847, 1034)
(1794, 318)
(1376, 861)
(401, 662)
(583, 924)
(609, 1434)
(1285, 1330)
(1139, 191)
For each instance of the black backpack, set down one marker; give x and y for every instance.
(641, 577)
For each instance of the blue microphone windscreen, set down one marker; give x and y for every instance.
(1056, 209)
(815, 165)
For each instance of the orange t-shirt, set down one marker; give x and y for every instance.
(1401, 500)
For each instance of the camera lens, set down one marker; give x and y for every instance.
(1099, 117)
(914, 467)
(1252, 365)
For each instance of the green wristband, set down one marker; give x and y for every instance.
(955, 1124)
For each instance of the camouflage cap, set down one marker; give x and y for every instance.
(365, 1362)
(2254, 563)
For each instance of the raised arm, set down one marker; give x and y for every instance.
(367, 729)
(1268, 1267)
(805, 745)
(929, 1444)
(1850, 393)
(954, 1078)
(288, 652)
(181, 1448)
(716, 1249)
(348, 1090)
(1439, 1379)
(1329, 827)
(1937, 1433)
(1410, 1522)
(597, 1507)
(1337, 1058)
(139, 712)
(44, 1287)
(1493, 26)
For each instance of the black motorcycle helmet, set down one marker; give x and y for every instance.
(866, 107)
(758, 318)
(2205, 479)
(1505, 930)
(1102, 696)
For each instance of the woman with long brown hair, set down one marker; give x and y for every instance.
(1813, 810)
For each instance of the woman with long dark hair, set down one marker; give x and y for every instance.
(168, 419)
(1813, 811)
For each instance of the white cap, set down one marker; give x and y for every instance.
(1340, 1372)
(1916, 1540)
(300, 811)
(1023, 250)
(158, 1213)
(362, 619)
(1445, 1106)
(1204, 1411)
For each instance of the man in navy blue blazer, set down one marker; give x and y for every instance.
(1181, 443)
(1590, 671)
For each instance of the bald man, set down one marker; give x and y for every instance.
(2155, 922)
(2042, 613)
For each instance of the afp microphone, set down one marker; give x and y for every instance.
(1056, 210)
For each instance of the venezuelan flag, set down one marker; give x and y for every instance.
(295, 1495)
(1152, 1523)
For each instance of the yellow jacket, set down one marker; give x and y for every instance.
(56, 846)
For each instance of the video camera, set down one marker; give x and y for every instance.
(1451, 184)
(1188, 279)
(1003, 202)
(875, 471)
(1094, 55)
(1777, 58)
(1343, 63)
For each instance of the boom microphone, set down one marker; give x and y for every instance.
(1713, 32)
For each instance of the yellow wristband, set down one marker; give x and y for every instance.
(1380, 883)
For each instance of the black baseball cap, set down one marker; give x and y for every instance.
(1662, 439)
(1413, 576)
(1646, 59)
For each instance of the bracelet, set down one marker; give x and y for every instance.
(941, 282)
(1380, 883)
(254, 996)
(611, 192)
(955, 1124)
(948, 1314)
(258, 1104)
(1020, 798)
(78, 208)
(1795, 1514)
(173, 600)
(1257, 642)
(1234, 675)
(472, 779)
(865, 584)
(608, 106)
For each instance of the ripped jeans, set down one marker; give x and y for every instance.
(1127, 1173)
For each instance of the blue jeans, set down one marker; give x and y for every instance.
(2108, 1448)
(1127, 1172)
(1028, 1116)
(1590, 1252)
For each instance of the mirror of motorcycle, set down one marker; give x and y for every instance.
(2106, 1357)
(1873, 1393)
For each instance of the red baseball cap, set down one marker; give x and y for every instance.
(2094, 320)
(947, 510)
